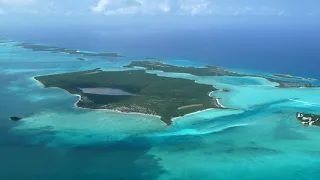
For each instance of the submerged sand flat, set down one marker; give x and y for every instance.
(259, 139)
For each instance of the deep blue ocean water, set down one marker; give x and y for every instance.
(272, 49)
(261, 141)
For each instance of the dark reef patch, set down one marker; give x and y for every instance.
(81, 59)
(127, 159)
(253, 150)
(15, 118)
(225, 90)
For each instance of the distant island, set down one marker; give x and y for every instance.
(293, 77)
(52, 49)
(210, 71)
(201, 71)
(135, 91)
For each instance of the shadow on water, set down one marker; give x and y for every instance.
(126, 159)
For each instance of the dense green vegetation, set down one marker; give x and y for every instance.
(153, 94)
(201, 71)
(209, 71)
(149, 93)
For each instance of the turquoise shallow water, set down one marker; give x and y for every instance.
(259, 139)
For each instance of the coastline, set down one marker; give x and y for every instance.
(110, 110)
(196, 112)
(37, 82)
(79, 98)
(216, 100)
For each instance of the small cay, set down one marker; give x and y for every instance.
(15, 118)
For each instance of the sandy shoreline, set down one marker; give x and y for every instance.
(79, 98)
(37, 82)
(111, 110)
(128, 113)
(218, 102)
(175, 118)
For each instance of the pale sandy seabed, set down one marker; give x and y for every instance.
(260, 139)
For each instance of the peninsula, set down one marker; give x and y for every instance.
(135, 91)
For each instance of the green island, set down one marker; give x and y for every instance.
(135, 91)
(201, 71)
(210, 71)
(52, 49)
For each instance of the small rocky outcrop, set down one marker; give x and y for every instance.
(225, 90)
(15, 118)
